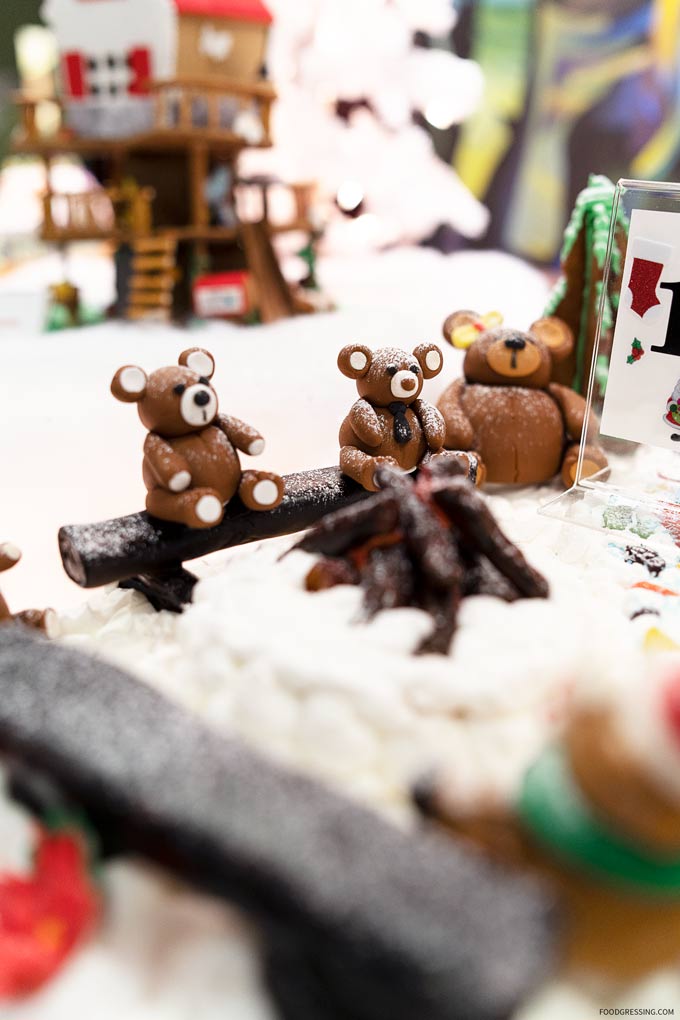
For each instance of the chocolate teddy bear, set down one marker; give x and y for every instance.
(191, 465)
(39, 619)
(390, 424)
(524, 427)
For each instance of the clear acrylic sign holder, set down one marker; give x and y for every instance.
(630, 401)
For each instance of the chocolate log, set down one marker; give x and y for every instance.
(96, 554)
(360, 919)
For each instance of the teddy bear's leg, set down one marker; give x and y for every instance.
(197, 508)
(261, 490)
(361, 467)
(38, 619)
(471, 462)
(594, 460)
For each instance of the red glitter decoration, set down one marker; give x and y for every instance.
(671, 706)
(45, 915)
(644, 278)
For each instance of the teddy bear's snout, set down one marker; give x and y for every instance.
(198, 405)
(403, 384)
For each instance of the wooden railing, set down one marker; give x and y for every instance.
(27, 107)
(215, 106)
(101, 214)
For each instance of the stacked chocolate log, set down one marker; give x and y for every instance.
(427, 542)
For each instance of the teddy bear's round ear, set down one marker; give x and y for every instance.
(430, 359)
(354, 360)
(556, 335)
(465, 317)
(129, 384)
(199, 361)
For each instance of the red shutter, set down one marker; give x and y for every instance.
(139, 60)
(74, 76)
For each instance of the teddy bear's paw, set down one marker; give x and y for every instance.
(261, 490)
(180, 481)
(208, 511)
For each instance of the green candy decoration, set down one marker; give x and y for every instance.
(557, 814)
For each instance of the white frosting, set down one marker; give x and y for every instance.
(132, 379)
(208, 509)
(11, 551)
(195, 413)
(180, 481)
(202, 363)
(433, 360)
(358, 361)
(265, 492)
(256, 447)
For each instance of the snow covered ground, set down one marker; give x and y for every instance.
(71, 453)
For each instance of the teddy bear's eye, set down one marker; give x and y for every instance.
(203, 381)
(179, 389)
(391, 369)
(414, 368)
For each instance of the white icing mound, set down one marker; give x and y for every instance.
(300, 676)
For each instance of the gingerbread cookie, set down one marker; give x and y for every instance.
(389, 426)
(599, 817)
(524, 427)
(191, 464)
(576, 297)
(40, 619)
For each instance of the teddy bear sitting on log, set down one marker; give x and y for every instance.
(525, 428)
(191, 464)
(390, 425)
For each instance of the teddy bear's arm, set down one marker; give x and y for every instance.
(366, 423)
(432, 422)
(244, 437)
(573, 408)
(460, 434)
(169, 468)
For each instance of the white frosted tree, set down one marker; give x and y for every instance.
(379, 179)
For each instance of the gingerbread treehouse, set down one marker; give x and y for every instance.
(159, 98)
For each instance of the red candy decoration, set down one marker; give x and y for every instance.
(644, 277)
(44, 916)
(671, 707)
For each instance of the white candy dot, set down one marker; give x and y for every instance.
(433, 360)
(265, 492)
(208, 509)
(256, 447)
(11, 551)
(180, 481)
(132, 380)
(201, 363)
(358, 360)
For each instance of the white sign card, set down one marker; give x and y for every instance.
(642, 400)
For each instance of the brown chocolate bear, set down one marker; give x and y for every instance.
(40, 619)
(191, 467)
(390, 424)
(524, 428)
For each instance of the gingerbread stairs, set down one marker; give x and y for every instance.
(153, 278)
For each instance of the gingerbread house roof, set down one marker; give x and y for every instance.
(239, 10)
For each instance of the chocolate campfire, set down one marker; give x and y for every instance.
(427, 542)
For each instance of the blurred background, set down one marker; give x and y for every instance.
(472, 123)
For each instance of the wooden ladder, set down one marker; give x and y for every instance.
(153, 277)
